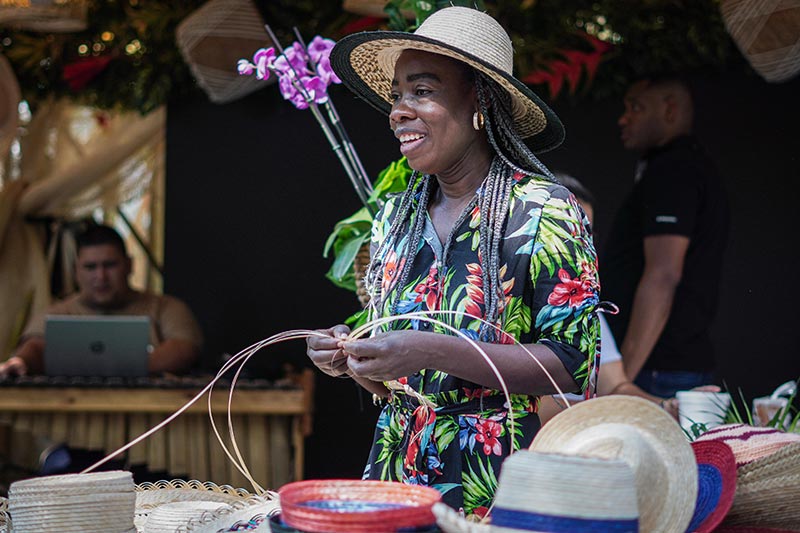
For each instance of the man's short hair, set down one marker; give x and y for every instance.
(99, 234)
(669, 81)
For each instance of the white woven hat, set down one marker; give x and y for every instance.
(101, 502)
(540, 492)
(365, 63)
(643, 435)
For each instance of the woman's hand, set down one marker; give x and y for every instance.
(325, 351)
(387, 356)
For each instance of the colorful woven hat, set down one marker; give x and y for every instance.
(365, 63)
(647, 438)
(556, 493)
(725, 529)
(716, 485)
(768, 491)
(357, 506)
(750, 443)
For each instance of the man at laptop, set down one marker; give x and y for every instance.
(102, 269)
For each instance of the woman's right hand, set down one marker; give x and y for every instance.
(325, 352)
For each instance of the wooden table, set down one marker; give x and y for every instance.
(269, 426)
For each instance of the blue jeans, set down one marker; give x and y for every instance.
(666, 383)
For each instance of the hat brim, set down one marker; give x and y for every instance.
(588, 429)
(365, 63)
(716, 488)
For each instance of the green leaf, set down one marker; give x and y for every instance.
(352, 227)
(346, 255)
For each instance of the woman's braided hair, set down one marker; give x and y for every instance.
(493, 200)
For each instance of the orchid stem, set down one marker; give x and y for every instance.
(341, 145)
(337, 148)
(333, 115)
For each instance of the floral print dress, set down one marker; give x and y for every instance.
(549, 275)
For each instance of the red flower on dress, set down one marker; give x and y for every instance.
(422, 417)
(476, 393)
(474, 290)
(569, 291)
(390, 270)
(488, 431)
(429, 289)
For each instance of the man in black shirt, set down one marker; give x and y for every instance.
(663, 258)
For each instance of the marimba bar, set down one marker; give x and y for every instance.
(269, 425)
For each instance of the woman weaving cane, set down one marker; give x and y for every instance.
(483, 230)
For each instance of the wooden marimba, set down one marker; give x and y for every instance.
(269, 424)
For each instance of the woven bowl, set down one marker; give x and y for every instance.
(350, 506)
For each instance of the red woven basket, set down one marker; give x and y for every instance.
(355, 506)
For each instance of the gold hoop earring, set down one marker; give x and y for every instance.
(477, 121)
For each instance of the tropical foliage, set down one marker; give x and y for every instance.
(127, 57)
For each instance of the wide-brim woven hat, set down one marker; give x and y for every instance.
(716, 485)
(539, 492)
(365, 63)
(647, 438)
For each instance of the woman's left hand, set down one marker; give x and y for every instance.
(387, 356)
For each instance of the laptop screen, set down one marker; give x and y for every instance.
(96, 345)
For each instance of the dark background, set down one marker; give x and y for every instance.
(253, 190)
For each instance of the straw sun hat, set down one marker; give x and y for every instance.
(365, 63)
(643, 435)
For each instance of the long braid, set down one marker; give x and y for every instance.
(419, 187)
(496, 202)
(501, 131)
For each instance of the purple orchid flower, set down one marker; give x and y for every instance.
(245, 67)
(316, 88)
(293, 61)
(290, 92)
(326, 72)
(319, 48)
(264, 59)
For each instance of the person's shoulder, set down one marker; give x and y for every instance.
(70, 305)
(159, 300)
(683, 158)
(531, 187)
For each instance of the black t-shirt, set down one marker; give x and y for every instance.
(679, 193)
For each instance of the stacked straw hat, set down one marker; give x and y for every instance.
(647, 439)
(768, 491)
(750, 443)
(556, 493)
(716, 485)
(101, 502)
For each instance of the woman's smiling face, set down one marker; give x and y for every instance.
(433, 100)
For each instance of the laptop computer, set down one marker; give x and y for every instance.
(96, 345)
